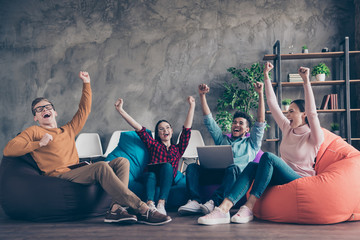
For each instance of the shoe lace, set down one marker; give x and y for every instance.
(150, 211)
(213, 213)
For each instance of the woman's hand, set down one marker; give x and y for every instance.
(119, 105)
(304, 72)
(268, 67)
(191, 100)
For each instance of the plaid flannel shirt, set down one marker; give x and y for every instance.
(158, 151)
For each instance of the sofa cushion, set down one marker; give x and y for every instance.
(132, 148)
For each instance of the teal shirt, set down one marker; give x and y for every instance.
(244, 149)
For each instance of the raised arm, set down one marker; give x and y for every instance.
(119, 107)
(81, 116)
(190, 115)
(271, 98)
(310, 108)
(259, 88)
(203, 90)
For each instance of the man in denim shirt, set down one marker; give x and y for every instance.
(244, 150)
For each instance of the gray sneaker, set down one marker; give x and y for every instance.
(208, 207)
(191, 207)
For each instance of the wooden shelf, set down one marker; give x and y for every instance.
(308, 55)
(315, 83)
(277, 140)
(342, 85)
(272, 140)
(327, 110)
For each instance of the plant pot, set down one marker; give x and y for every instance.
(320, 77)
(305, 51)
(286, 107)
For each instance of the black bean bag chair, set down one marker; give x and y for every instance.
(25, 194)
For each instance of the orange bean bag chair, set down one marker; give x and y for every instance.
(332, 196)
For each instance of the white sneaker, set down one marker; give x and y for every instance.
(215, 217)
(244, 215)
(208, 207)
(192, 207)
(161, 209)
(151, 205)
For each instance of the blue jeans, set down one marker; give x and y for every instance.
(270, 171)
(161, 175)
(196, 176)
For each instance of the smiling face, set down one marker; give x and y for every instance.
(45, 114)
(165, 131)
(239, 127)
(295, 117)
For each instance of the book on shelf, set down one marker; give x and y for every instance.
(330, 101)
(294, 77)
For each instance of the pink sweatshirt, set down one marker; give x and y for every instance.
(299, 146)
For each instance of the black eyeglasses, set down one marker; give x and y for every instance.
(41, 108)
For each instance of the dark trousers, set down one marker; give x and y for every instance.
(197, 176)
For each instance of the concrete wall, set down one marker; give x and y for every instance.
(151, 53)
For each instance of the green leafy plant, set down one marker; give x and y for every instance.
(304, 47)
(239, 94)
(319, 69)
(286, 101)
(334, 126)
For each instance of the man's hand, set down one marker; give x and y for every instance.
(44, 141)
(304, 73)
(191, 100)
(119, 105)
(85, 77)
(259, 87)
(203, 89)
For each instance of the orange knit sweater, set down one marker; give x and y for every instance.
(54, 158)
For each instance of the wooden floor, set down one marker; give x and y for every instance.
(179, 228)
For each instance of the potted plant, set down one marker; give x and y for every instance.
(239, 94)
(320, 71)
(335, 128)
(286, 103)
(305, 49)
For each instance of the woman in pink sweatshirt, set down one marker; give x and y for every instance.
(301, 140)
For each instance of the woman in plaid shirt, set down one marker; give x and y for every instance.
(164, 156)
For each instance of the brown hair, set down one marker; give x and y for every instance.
(36, 101)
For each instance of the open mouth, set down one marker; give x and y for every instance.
(236, 130)
(46, 115)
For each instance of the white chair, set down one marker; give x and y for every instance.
(113, 142)
(196, 140)
(88, 145)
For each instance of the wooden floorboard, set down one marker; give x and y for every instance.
(180, 228)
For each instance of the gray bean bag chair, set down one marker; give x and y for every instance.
(25, 194)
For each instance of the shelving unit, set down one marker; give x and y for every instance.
(344, 57)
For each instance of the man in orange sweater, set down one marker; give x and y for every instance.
(53, 148)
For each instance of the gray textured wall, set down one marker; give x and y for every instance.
(151, 53)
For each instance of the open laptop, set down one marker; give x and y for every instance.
(216, 157)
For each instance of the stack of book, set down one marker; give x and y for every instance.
(294, 77)
(330, 101)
